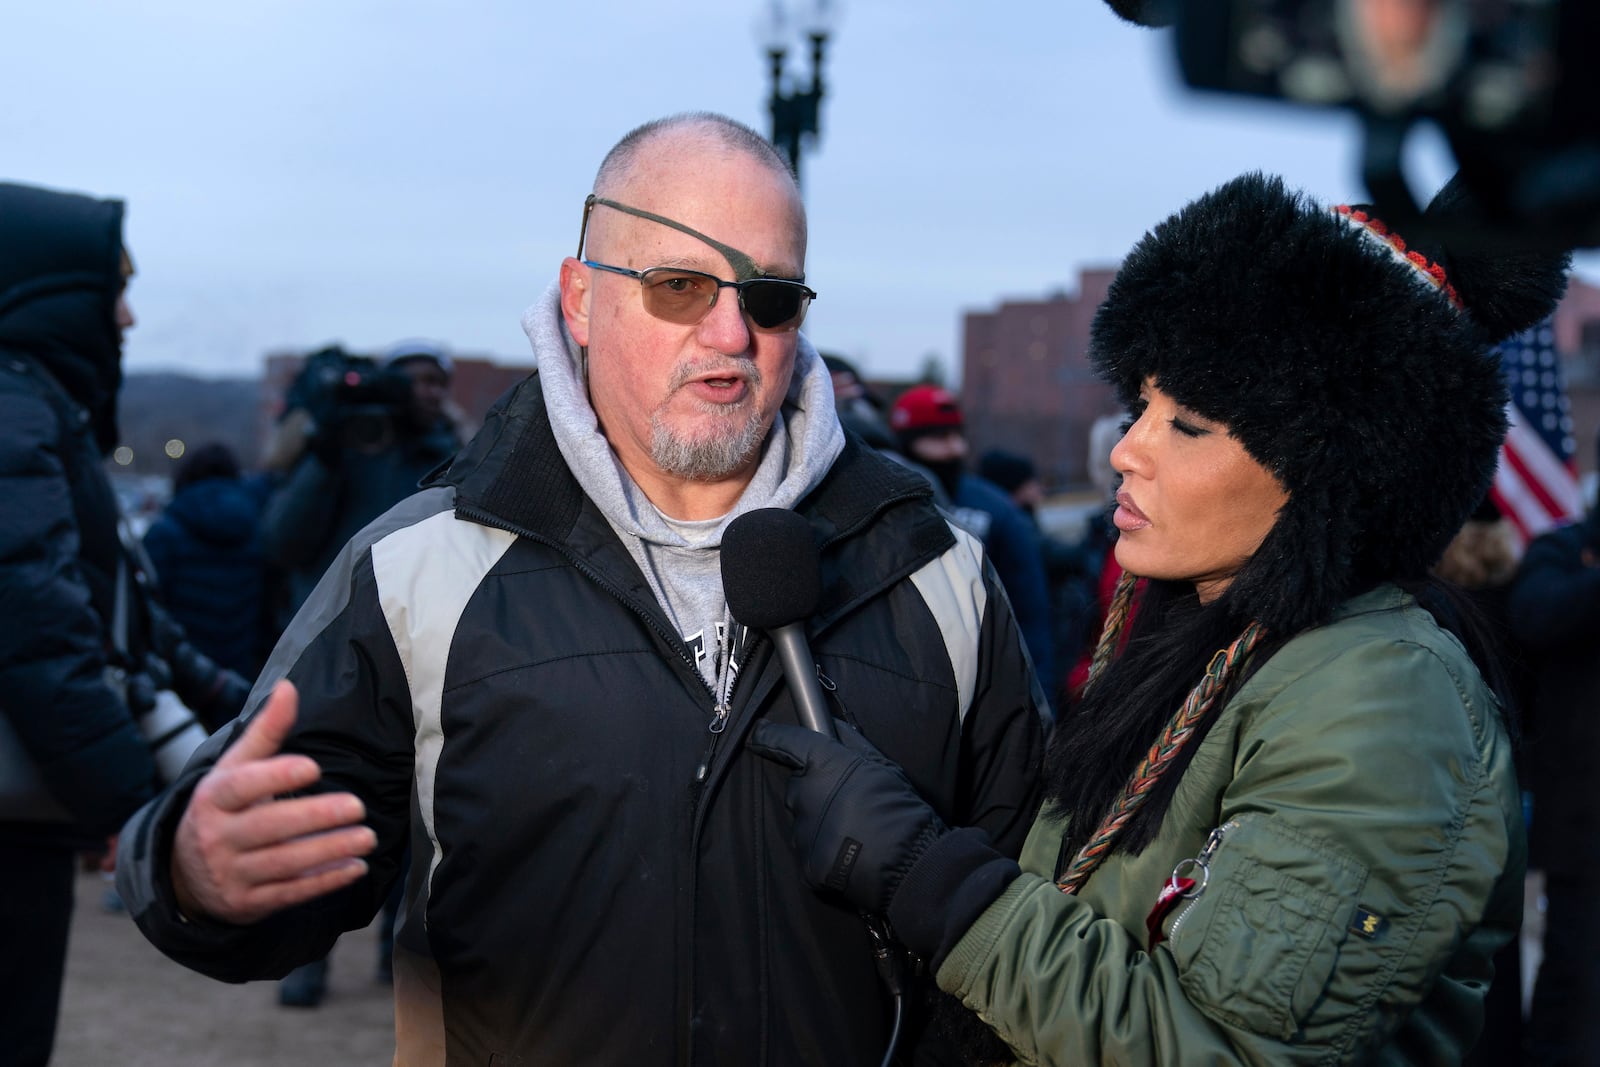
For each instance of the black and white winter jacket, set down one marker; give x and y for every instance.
(595, 876)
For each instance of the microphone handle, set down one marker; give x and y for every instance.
(801, 674)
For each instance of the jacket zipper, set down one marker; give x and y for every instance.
(484, 518)
(721, 711)
(719, 723)
(1200, 863)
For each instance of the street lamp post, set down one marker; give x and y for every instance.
(795, 113)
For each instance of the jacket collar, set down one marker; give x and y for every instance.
(512, 475)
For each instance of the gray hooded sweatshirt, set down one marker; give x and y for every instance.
(682, 560)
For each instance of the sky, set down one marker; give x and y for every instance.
(361, 171)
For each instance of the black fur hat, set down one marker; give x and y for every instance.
(1356, 368)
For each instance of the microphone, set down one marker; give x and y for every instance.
(772, 577)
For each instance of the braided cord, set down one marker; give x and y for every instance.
(1116, 621)
(1156, 762)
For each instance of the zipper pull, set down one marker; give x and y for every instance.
(1187, 881)
(719, 723)
(1214, 840)
(1198, 867)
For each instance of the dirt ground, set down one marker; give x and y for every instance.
(124, 1003)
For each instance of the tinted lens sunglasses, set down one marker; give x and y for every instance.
(685, 297)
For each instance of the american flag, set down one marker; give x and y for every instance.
(1536, 483)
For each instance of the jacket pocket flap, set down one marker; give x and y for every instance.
(1258, 948)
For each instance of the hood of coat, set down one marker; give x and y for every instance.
(218, 511)
(60, 276)
(512, 475)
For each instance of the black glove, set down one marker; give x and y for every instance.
(859, 824)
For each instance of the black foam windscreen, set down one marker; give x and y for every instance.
(771, 573)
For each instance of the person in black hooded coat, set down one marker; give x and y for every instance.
(73, 764)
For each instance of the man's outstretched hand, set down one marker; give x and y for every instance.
(242, 851)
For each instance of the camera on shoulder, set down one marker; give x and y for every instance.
(353, 399)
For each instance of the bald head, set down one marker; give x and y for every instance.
(688, 127)
(687, 142)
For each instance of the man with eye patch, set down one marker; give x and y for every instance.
(529, 672)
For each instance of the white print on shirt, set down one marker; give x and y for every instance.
(741, 640)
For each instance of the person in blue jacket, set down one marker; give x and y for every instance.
(209, 567)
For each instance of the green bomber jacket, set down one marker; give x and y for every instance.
(1352, 825)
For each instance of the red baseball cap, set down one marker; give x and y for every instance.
(925, 407)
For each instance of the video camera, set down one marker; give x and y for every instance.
(1510, 83)
(353, 398)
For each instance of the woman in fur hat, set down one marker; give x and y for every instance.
(1283, 824)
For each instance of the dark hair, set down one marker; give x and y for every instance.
(214, 460)
(1171, 639)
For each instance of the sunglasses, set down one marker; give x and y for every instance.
(685, 297)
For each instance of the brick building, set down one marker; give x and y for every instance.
(1026, 383)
